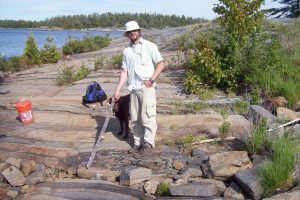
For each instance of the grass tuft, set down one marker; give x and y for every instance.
(258, 140)
(162, 190)
(277, 172)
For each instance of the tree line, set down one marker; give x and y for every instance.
(290, 9)
(106, 20)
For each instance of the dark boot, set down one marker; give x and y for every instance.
(146, 148)
(134, 149)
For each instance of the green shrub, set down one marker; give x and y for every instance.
(81, 73)
(116, 60)
(286, 87)
(65, 76)
(206, 64)
(31, 51)
(99, 62)
(162, 190)
(49, 54)
(241, 107)
(240, 56)
(258, 141)
(87, 44)
(277, 172)
(192, 83)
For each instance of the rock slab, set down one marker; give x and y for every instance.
(194, 190)
(133, 175)
(249, 181)
(226, 164)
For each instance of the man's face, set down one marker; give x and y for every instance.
(133, 35)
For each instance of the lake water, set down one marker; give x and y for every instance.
(12, 40)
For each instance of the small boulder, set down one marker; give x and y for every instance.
(287, 114)
(224, 165)
(39, 176)
(132, 175)
(249, 180)
(27, 167)
(89, 173)
(294, 195)
(234, 192)
(14, 176)
(179, 163)
(219, 184)
(194, 190)
(150, 186)
(258, 160)
(191, 172)
(256, 113)
(240, 127)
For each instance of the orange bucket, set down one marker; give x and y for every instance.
(24, 109)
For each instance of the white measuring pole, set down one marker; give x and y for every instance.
(99, 140)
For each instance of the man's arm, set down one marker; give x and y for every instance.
(122, 80)
(159, 67)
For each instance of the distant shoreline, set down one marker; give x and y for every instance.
(61, 29)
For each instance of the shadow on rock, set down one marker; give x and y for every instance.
(113, 127)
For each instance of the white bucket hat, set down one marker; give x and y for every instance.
(130, 26)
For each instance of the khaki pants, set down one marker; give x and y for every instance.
(143, 115)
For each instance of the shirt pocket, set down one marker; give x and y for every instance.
(146, 60)
(151, 110)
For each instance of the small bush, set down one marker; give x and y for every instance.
(49, 54)
(99, 62)
(116, 60)
(87, 44)
(82, 73)
(241, 107)
(277, 172)
(65, 77)
(162, 190)
(192, 83)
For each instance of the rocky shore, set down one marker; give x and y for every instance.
(47, 159)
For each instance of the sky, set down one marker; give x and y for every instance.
(43, 9)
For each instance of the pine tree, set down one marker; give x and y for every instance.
(31, 51)
(290, 10)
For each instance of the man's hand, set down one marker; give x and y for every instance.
(116, 95)
(148, 83)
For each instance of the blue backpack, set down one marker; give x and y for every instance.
(94, 93)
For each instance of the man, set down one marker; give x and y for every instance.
(141, 66)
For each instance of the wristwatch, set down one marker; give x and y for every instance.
(152, 81)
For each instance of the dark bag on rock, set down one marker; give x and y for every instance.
(94, 93)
